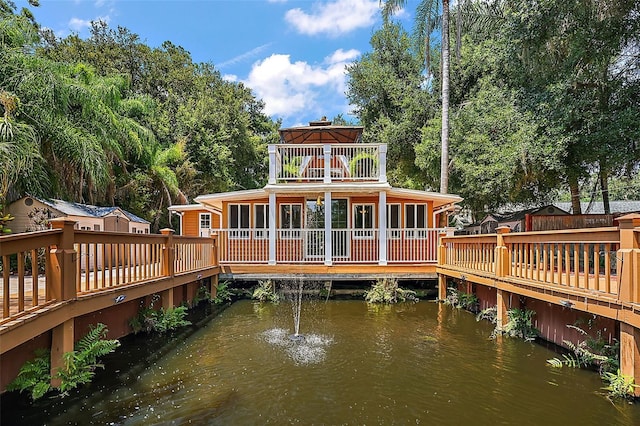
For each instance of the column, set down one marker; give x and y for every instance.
(272, 164)
(382, 227)
(273, 235)
(326, 151)
(502, 306)
(328, 246)
(630, 353)
(62, 337)
(382, 149)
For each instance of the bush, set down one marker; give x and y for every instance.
(223, 293)
(79, 365)
(386, 290)
(519, 324)
(149, 319)
(620, 386)
(461, 300)
(266, 292)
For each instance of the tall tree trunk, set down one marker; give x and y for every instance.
(574, 188)
(604, 187)
(444, 160)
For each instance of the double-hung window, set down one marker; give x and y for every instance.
(393, 221)
(363, 220)
(239, 221)
(290, 220)
(261, 221)
(415, 216)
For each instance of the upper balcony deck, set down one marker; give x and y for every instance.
(326, 163)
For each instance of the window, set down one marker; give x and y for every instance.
(239, 219)
(393, 221)
(96, 227)
(261, 218)
(205, 224)
(416, 220)
(363, 220)
(290, 218)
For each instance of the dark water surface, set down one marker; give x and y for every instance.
(421, 363)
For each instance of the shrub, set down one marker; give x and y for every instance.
(79, 365)
(223, 293)
(266, 292)
(620, 386)
(461, 300)
(149, 319)
(519, 324)
(386, 290)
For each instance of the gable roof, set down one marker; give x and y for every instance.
(87, 210)
(597, 207)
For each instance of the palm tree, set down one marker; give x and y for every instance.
(428, 18)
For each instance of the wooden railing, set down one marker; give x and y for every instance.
(60, 264)
(599, 261)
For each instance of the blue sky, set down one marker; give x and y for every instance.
(292, 54)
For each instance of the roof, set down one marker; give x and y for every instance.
(87, 210)
(321, 132)
(597, 207)
(520, 214)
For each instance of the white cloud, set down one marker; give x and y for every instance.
(230, 77)
(291, 88)
(334, 18)
(78, 24)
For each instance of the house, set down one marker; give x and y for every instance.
(32, 213)
(327, 203)
(518, 221)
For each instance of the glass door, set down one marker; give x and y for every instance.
(314, 232)
(339, 222)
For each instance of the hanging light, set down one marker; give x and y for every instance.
(319, 201)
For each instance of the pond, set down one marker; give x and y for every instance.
(422, 363)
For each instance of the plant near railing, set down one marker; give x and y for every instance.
(387, 291)
(201, 295)
(620, 385)
(266, 292)
(587, 353)
(363, 164)
(5, 218)
(78, 369)
(223, 293)
(489, 314)
(162, 320)
(519, 324)
(460, 300)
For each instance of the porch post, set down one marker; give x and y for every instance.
(328, 249)
(272, 164)
(382, 227)
(272, 228)
(326, 151)
(382, 150)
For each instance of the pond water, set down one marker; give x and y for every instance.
(422, 363)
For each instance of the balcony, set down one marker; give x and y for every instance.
(326, 163)
(347, 246)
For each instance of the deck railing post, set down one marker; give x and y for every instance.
(382, 152)
(272, 164)
(168, 265)
(628, 254)
(503, 263)
(442, 260)
(326, 152)
(64, 262)
(63, 276)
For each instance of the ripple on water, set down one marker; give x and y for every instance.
(311, 350)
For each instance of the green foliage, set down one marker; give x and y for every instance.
(266, 292)
(202, 294)
(490, 314)
(362, 164)
(386, 290)
(519, 324)
(223, 293)
(79, 365)
(5, 218)
(620, 386)
(34, 375)
(461, 300)
(162, 320)
(592, 351)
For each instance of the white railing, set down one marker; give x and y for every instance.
(308, 246)
(327, 163)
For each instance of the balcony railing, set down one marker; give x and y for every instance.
(327, 163)
(308, 246)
